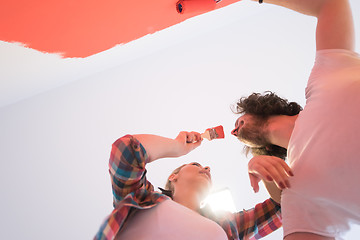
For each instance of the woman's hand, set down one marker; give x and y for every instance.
(270, 169)
(187, 141)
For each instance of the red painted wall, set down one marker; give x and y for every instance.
(80, 28)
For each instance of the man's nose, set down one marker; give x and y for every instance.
(235, 131)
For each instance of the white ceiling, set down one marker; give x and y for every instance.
(25, 72)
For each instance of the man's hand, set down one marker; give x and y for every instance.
(270, 169)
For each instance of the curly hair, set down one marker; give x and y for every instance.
(264, 106)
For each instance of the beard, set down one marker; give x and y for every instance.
(253, 133)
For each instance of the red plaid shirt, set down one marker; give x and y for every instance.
(132, 192)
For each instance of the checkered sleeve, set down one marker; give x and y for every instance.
(127, 167)
(259, 221)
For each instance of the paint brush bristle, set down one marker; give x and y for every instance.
(214, 133)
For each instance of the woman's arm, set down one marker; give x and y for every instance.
(273, 171)
(254, 223)
(274, 191)
(130, 154)
(161, 147)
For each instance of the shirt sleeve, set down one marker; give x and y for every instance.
(254, 223)
(127, 167)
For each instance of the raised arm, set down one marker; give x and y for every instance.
(160, 147)
(130, 154)
(335, 27)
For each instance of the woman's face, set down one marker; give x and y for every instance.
(193, 174)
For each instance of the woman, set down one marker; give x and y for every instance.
(142, 213)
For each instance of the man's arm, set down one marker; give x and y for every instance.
(335, 27)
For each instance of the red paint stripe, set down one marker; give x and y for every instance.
(82, 28)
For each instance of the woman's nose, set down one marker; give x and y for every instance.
(207, 168)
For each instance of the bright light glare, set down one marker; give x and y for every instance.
(220, 201)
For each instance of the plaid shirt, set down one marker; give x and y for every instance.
(132, 191)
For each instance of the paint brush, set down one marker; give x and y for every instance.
(213, 133)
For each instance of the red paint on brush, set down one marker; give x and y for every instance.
(219, 131)
(215, 132)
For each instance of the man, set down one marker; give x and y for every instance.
(320, 141)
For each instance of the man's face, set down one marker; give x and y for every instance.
(250, 130)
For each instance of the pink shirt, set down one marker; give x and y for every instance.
(170, 220)
(324, 150)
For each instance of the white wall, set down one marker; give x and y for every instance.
(54, 147)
